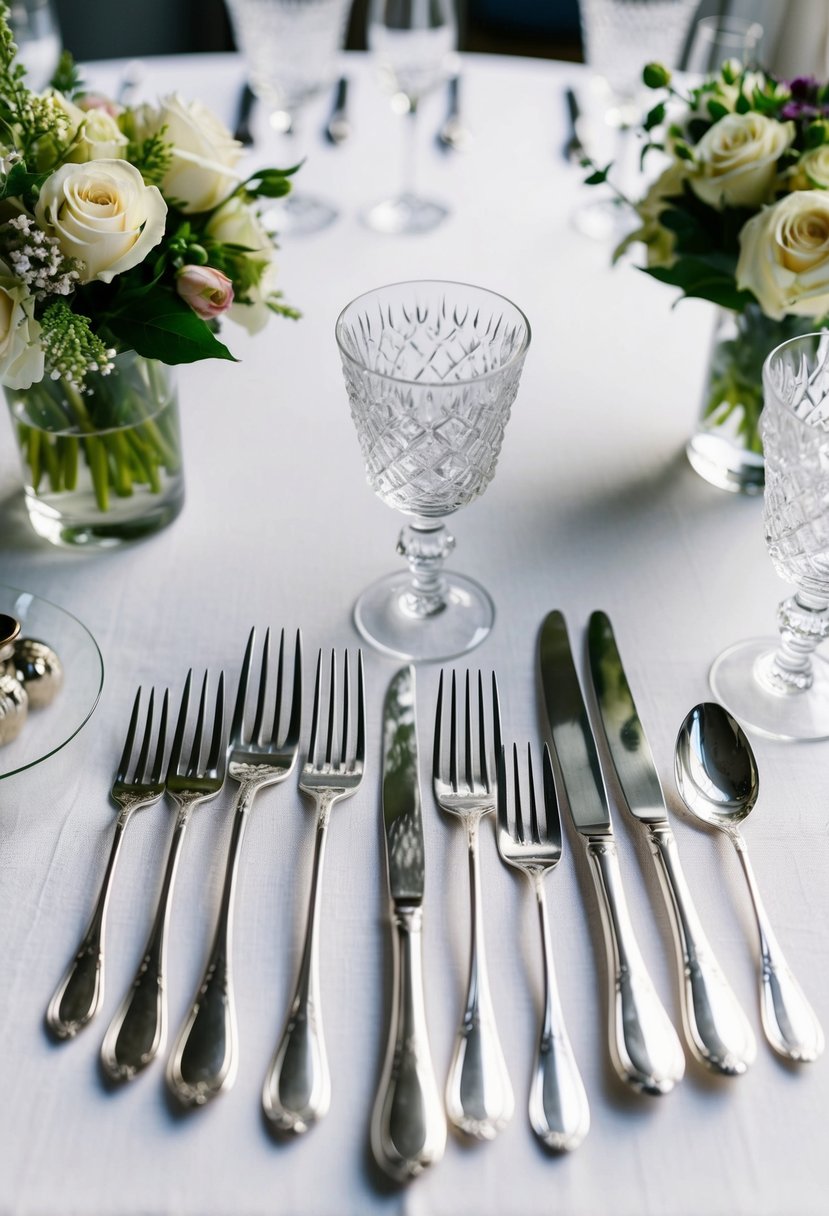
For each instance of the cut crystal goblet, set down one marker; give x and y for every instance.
(431, 370)
(780, 686)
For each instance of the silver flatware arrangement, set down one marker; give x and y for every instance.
(475, 779)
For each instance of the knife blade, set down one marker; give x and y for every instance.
(408, 1130)
(716, 1028)
(242, 131)
(644, 1047)
(338, 127)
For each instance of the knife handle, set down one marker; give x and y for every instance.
(716, 1028)
(408, 1127)
(644, 1047)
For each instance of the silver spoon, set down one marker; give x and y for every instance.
(716, 775)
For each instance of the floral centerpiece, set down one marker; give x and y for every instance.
(126, 233)
(739, 215)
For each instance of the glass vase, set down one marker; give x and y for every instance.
(726, 448)
(103, 465)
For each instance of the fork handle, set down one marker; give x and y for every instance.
(297, 1089)
(79, 994)
(644, 1047)
(408, 1127)
(716, 1028)
(205, 1058)
(138, 1031)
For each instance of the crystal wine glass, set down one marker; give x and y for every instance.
(291, 48)
(779, 685)
(431, 370)
(718, 39)
(413, 42)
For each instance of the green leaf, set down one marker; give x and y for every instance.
(19, 181)
(654, 117)
(742, 105)
(161, 326)
(599, 177)
(716, 109)
(269, 183)
(698, 278)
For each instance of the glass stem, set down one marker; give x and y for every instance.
(803, 621)
(410, 150)
(425, 543)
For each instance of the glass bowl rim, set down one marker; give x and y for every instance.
(497, 295)
(51, 604)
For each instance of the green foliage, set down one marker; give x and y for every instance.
(656, 76)
(161, 326)
(67, 79)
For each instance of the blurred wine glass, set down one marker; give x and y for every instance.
(413, 42)
(718, 39)
(35, 29)
(292, 49)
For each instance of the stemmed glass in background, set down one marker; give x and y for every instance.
(34, 24)
(718, 39)
(778, 685)
(291, 48)
(619, 37)
(413, 42)
(432, 370)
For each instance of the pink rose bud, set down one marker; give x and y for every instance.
(97, 101)
(208, 292)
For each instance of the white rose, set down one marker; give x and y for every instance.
(660, 241)
(21, 353)
(735, 162)
(100, 138)
(201, 172)
(812, 170)
(102, 214)
(237, 224)
(784, 256)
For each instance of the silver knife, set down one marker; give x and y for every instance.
(716, 1028)
(644, 1047)
(408, 1128)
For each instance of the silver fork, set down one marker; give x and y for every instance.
(205, 1058)
(559, 1113)
(79, 994)
(138, 1031)
(297, 1090)
(479, 1097)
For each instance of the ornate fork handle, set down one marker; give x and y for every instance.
(138, 1031)
(80, 992)
(479, 1097)
(205, 1058)
(644, 1047)
(297, 1089)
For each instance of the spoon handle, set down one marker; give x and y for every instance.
(790, 1024)
(716, 1028)
(644, 1047)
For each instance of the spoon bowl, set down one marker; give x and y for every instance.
(716, 775)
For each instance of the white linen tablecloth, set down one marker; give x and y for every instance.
(593, 505)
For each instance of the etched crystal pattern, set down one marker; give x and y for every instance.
(795, 425)
(431, 387)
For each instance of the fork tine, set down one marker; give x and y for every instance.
(360, 750)
(332, 708)
(551, 800)
(453, 738)
(121, 774)
(519, 820)
(237, 726)
(501, 810)
(292, 737)
(217, 740)
(534, 833)
(438, 724)
(280, 671)
(346, 695)
(178, 737)
(141, 763)
(158, 766)
(315, 713)
(256, 734)
(496, 716)
(467, 721)
(195, 750)
(482, 736)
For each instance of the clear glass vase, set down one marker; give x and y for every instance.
(726, 448)
(102, 466)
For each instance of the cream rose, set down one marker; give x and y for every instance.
(21, 354)
(102, 214)
(735, 162)
(100, 138)
(660, 241)
(812, 170)
(201, 172)
(784, 256)
(236, 224)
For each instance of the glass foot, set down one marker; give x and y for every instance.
(383, 618)
(738, 682)
(405, 214)
(299, 215)
(725, 463)
(603, 219)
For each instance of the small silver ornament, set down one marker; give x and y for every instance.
(14, 706)
(38, 669)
